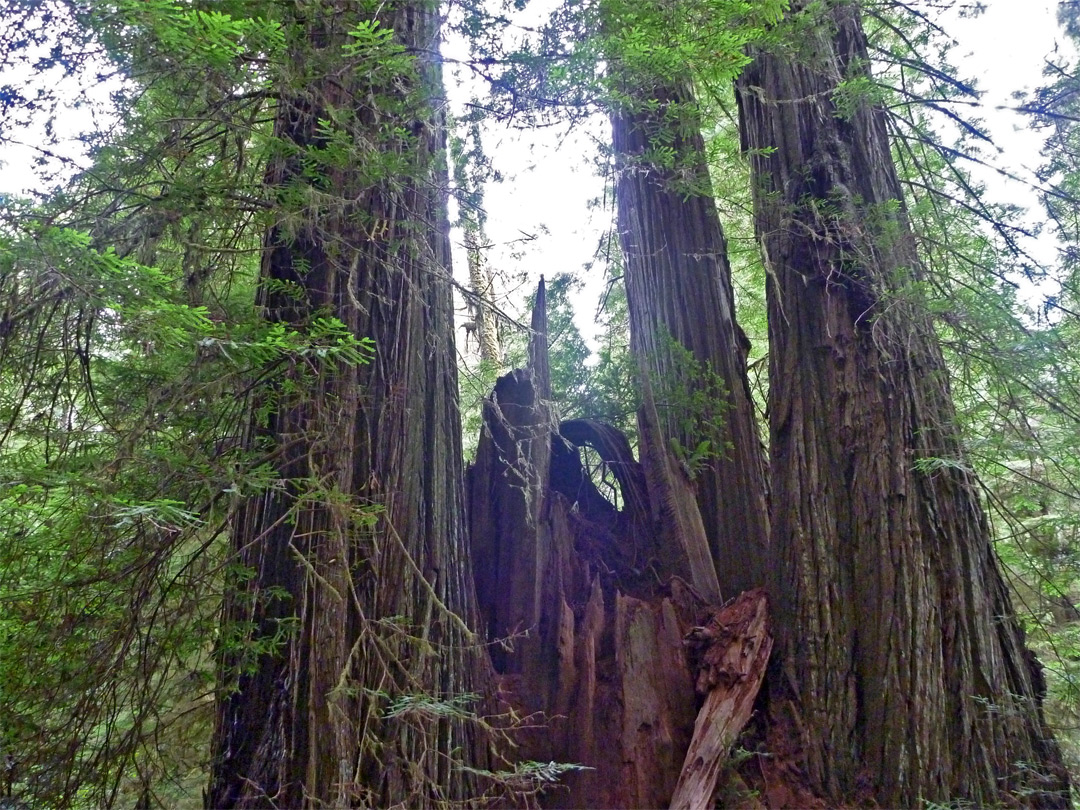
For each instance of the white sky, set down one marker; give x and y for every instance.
(539, 218)
(21, 147)
(549, 183)
(1004, 50)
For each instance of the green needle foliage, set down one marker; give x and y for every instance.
(129, 354)
(132, 357)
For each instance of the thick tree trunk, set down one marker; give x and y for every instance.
(896, 629)
(683, 332)
(349, 631)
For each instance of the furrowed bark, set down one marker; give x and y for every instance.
(678, 287)
(350, 631)
(896, 629)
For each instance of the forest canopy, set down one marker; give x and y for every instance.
(310, 497)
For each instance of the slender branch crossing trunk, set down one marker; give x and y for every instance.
(910, 669)
(347, 631)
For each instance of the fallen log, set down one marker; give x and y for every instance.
(733, 649)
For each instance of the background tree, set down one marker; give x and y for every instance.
(1042, 492)
(471, 169)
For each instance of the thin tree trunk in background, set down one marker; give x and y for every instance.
(896, 630)
(483, 289)
(678, 287)
(348, 628)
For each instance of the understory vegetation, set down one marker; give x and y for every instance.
(173, 391)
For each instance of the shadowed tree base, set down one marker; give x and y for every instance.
(608, 645)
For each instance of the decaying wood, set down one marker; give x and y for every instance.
(734, 648)
(511, 558)
(588, 604)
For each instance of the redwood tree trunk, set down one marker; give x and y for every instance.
(348, 628)
(912, 676)
(683, 332)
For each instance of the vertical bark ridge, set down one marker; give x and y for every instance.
(678, 288)
(355, 614)
(911, 671)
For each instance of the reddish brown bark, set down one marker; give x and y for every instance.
(594, 612)
(678, 287)
(913, 683)
(350, 620)
(734, 649)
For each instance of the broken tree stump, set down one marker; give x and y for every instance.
(588, 602)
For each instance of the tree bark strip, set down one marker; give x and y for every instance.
(895, 626)
(684, 548)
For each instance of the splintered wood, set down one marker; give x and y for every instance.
(733, 650)
(604, 617)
